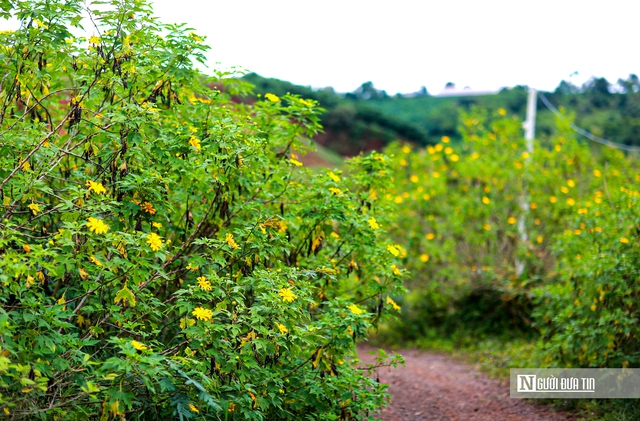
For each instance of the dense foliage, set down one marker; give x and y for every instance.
(501, 239)
(163, 254)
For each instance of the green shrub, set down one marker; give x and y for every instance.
(162, 252)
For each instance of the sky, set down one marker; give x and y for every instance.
(402, 45)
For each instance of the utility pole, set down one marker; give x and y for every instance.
(529, 134)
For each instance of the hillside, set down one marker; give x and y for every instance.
(368, 118)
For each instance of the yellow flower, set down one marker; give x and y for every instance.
(454, 158)
(35, 208)
(430, 236)
(271, 97)
(287, 295)
(204, 283)
(564, 190)
(486, 200)
(232, 243)
(571, 202)
(333, 177)
(355, 309)
(448, 150)
(533, 206)
(539, 239)
(393, 304)
(439, 147)
(282, 328)
(424, 258)
(95, 261)
(393, 250)
(295, 162)
(156, 225)
(512, 220)
(553, 199)
(26, 248)
(335, 191)
(195, 142)
(597, 173)
(398, 200)
(502, 112)
(445, 139)
(486, 227)
(97, 225)
(154, 241)
(197, 39)
(98, 188)
(191, 406)
(571, 183)
(148, 207)
(373, 224)
(395, 270)
(138, 345)
(202, 313)
(624, 240)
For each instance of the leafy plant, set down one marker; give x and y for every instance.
(163, 253)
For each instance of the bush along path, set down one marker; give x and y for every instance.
(434, 387)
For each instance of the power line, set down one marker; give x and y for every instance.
(583, 132)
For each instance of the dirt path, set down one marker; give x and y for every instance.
(435, 387)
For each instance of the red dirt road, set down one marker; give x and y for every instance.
(435, 387)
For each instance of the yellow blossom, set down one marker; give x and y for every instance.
(138, 345)
(202, 313)
(195, 142)
(553, 199)
(95, 261)
(204, 283)
(271, 97)
(154, 241)
(454, 158)
(486, 227)
(430, 236)
(282, 328)
(35, 208)
(335, 191)
(502, 112)
(539, 239)
(287, 295)
(571, 202)
(372, 223)
(512, 220)
(355, 309)
(393, 304)
(445, 139)
(232, 243)
(398, 200)
(26, 248)
(395, 270)
(597, 173)
(424, 258)
(533, 206)
(191, 406)
(624, 240)
(334, 177)
(94, 40)
(97, 225)
(148, 207)
(486, 200)
(571, 183)
(393, 250)
(295, 162)
(448, 150)
(156, 225)
(98, 188)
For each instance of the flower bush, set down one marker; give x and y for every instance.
(163, 252)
